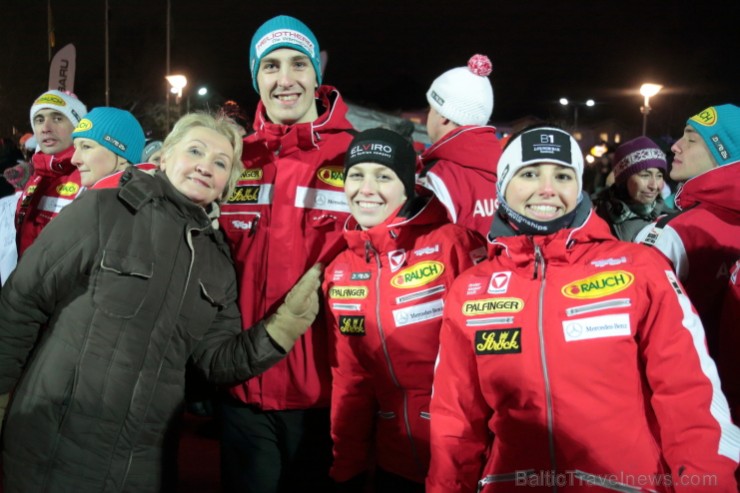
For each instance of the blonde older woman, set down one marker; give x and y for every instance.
(129, 283)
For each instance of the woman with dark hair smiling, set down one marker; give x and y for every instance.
(570, 360)
(634, 200)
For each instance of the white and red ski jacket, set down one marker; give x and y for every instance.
(385, 295)
(576, 362)
(287, 213)
(54, 184)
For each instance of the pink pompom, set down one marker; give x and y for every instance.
(480, 65)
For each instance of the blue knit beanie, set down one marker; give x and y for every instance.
(283, 31)
(719, 126)
(115, 129)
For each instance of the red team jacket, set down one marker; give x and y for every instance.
(54, 184)
(585, 359)
(385, 295)
(463, 175)
(286, 214)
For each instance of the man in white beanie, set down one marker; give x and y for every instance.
(55, 181)
(460, 166)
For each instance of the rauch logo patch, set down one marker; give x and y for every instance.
(599, 285)
(352, 325)
(50, 99)
(708, 117)
(331, 175)
(68, 189)
(501, 341)
(418, 274)
(83, 126)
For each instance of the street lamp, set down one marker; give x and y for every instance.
(566, 102)
(648, 90)
(177, 84)
(202, 93)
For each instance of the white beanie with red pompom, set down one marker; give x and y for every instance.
(464, 94)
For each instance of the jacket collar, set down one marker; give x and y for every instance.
(719, 187)
(287, 139)
(54, 164)
(558, 247)
(138, 188)
(471, 146)
(399, 230)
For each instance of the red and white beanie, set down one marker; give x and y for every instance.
(65, 103)
(464, 94)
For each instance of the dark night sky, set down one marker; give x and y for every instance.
(385, 53)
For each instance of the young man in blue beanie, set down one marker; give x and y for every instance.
(703, 239)
(286, 214)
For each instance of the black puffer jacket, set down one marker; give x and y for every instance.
(130, 283)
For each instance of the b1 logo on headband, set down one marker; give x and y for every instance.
(546, 144)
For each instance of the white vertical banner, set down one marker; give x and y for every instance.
(62, 69)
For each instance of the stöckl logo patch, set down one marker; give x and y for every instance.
(352, 325)
(418, 274)
(245, 195)
(600, 285)
(500, 341)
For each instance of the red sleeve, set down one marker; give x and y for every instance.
(459, 435)
(697, 437)
(729, 343)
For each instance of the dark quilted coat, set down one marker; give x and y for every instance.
(96, 326)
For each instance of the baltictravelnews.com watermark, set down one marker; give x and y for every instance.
(638, 482)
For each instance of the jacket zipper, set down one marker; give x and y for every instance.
(539, 265)
(189, 238)
(406, 421)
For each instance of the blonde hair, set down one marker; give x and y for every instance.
(223, 125)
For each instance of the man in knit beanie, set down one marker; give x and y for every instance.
(460, 166)
(286, 213)
(703, 239)
(55, 181)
